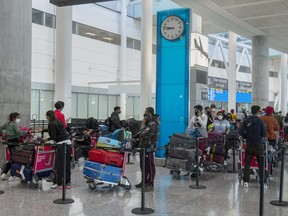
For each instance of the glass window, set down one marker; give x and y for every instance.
(75, 27)
(37, 17)
(74, 105)
(50, 20)
(129, 107)
(46, 103)
(35, 104)
(137, 113)
(93, 106)
(112, 102)
(103, 107)
(130, 43)
(137, 44)
(82, 106)
(154, 49)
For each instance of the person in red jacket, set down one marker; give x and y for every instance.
(59, 105)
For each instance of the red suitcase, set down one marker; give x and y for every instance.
(106, 157)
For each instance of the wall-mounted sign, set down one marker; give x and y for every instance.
(204, 95)
(215, 82)
(199, 50)
(244, 86)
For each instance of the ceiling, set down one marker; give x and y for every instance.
(247, 18)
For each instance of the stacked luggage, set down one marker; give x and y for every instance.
(22, 163)
(106, 164)
(215, 151)
(181, 155)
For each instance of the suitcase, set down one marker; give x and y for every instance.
(179, 142)
(216, 148)
(106, 157)
(183, 136)
(16, 169)
(23, 156)
(183, 153)
(216, 158)
(108, 143)
(102, 172)
(176, 164)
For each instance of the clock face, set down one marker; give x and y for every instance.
(172, 27)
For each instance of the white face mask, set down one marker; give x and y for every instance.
(17, 121)
(220, 117)
(213, 110)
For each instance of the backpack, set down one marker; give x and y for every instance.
(92, 123)
(108, 122)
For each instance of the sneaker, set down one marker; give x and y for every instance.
(13, 178)
(149, 188)
(55, 186)
(4, 176)
(245, 185)
(68, 186)
(225, 163)
(138, 185)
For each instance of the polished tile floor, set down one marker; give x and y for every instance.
(223, 196)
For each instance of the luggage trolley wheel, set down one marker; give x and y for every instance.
(175, 175)
(35, 182)
(208, 168)
(92, 186)
(127, 185)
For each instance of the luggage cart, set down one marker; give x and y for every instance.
(254, 169)
(42, 167)
(123, 180)
(213, 156)
(181, 156)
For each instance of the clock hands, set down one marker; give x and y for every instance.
(168, 28)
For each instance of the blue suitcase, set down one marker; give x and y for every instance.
(102, 172)
(15, 171)
(108, 143)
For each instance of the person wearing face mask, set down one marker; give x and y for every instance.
(13, 133)
(198, 123)
(213, 111)
(221, 125)
(148, 136)
(115, 122)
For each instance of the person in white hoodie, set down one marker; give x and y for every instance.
(197, 125)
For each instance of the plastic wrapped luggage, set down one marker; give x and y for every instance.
(176, 141)
(23, 156)
(183, 153)
(216, 158)
(215, 148)
(102, 172)
(176, 163)
(108, 143)
(106, 157)
(21, 171)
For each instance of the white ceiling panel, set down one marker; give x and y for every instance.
(240, 12)
(258, 10)
(277, 7)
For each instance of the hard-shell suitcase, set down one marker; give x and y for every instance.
(216, 158)
(176, 163)
(183, 153)
(106, 157)
(216, 148)
(23, 156)
(102, 172)
(179, 142)
(21, 171)
(108, 143)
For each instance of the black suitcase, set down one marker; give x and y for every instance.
(177, 164)
(180, 142)
(182, 153)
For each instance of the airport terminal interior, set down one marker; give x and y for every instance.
(68, 67)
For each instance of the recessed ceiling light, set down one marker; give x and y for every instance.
(91, 34)
(107, 38)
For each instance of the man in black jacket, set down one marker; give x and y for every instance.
(253, 130)
(115, 119)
